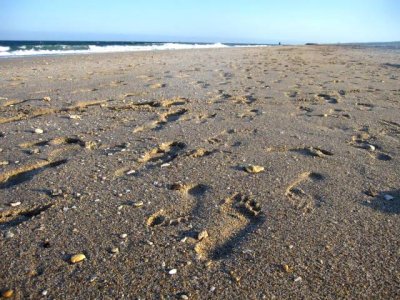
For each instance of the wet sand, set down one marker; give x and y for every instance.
(146, 163)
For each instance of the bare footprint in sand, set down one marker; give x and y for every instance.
(297, 191)
(238, 217)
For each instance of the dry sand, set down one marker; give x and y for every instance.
(141, 168)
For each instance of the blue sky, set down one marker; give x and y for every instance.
(202, 20)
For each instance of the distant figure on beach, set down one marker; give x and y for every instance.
(279, 43)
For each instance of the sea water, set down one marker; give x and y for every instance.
(30, 48)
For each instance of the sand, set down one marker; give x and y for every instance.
(251, 173)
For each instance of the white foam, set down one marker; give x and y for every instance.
(5, 51)
(109, 49)
(166, 46)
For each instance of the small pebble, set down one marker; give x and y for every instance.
(202, 235)
(77, 258)
(138, 204)
(388, 197)
(44, 293)
(212, 289)
(56, 192)
(254, 169)
(9, 235)
(14, 204)
(165, 165)
(185, 297)
(4, 163)
(123, 236)
(172, 271)
(371, 147)
(46, 99)
(297, 279)
(38, 131)
(34, 151)
(130, 172)
(287, 269)
(114, 250)
(7, 293)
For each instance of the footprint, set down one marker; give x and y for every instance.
(363, 141)
(157, 85)
(55, 141)
(306, 109)
(200, 152)
(177, 101)
(162, 121)
(27, 114)
(296, 191)
(25, 173)
(161, 218)
(365, 106)
(312, 151)
(164, 153)
(307, 151)
(14, 217)
(169, 118)
(391, 128)
(291, 94)
(34, 112)
(137, 106)
(167, 217)
(246, 99)
(238, 217)
(249, 114)
(81, 105)
(381, 156)
(327, 98)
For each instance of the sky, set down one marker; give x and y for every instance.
(257, 21)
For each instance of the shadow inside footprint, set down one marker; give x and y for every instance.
(198, 190)
(226, 249)
(384, 157)
(316, 176)
(328, 98)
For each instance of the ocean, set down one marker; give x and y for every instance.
(31, 48)
(380, 46)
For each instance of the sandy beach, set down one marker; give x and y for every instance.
(238, 173)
